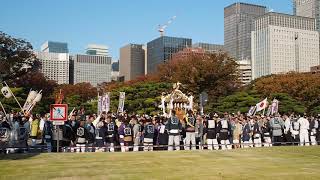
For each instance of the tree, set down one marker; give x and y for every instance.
(214, 73)
(16, 58)
(140, 97)
(315, 110)
(239, 101)
(303, 87)
(11, 104)
(20, 68)
(85, 91)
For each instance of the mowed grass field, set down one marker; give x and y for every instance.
(259, 163)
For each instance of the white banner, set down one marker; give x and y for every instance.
(274, 107)
(121, 102)
(104, 103)
(99, 105)
(269, 111)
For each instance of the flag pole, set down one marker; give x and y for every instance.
(4, 111)
(27, 98)
(98, 104)
(14, 96)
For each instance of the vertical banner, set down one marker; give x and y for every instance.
(251, 111)
(99, 104)
(269, 111)
(274, 107)
(107, 102)
(104, 103)
(121, 102)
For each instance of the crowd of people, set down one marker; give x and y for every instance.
(110, 132)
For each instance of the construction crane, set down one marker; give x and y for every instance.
(161, 28)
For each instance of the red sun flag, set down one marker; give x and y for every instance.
(262, 105)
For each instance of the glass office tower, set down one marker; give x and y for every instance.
(161, 49)
(238, 24)
(55, 47)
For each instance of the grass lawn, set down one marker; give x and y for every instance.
(260, 163)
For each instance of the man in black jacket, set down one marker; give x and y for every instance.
(148, 135)
(224, 132)
(81, 137)
(174, 128)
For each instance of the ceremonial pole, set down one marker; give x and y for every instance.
(13, 96)
(27, 99)
(58, 132)
(4, 111)
(98, 104)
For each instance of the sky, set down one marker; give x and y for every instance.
(116, 23)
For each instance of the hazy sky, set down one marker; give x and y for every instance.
(116, 23)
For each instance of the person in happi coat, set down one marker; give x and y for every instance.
(224, 132)
(163, 135)
(266, 132)
(148, 135)
(313, 128)
(257, 131)
(82, 136)
(174, 128)
(212, 131)
(246, 133)
(110, 133)
(190, 139)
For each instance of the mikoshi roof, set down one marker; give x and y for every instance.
(177, 96)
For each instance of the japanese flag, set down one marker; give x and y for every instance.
(262, 105)
(6, 92)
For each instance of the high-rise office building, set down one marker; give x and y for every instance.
(132, 61)
(282, 43)
(209, 48)
(115, 66)
(161, 49)
(97, 50)
(55, 47)
(91, 68)
(71, 69)
(308, 8)
(55, 66)
(245, 71)
(238, 24)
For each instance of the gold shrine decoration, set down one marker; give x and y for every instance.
(176, 100)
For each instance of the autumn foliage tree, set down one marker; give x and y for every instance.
(84, 90)
(304, 87)
(214, 73)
